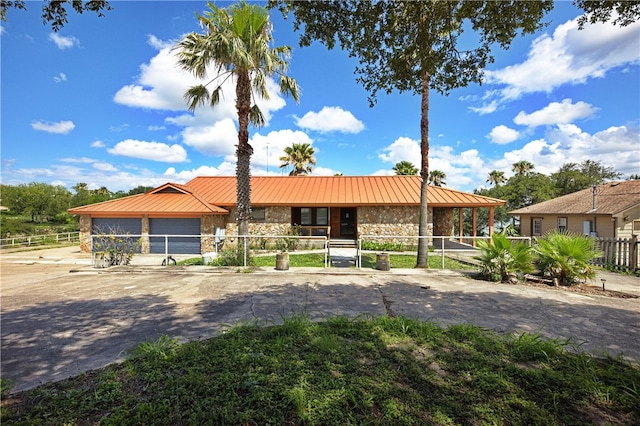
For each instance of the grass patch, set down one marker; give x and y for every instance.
(306, 260)
(375, 371)
(406, 261)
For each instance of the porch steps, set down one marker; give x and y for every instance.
(342, 243)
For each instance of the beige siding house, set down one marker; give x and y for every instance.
(610, 210)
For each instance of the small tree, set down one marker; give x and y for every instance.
(300, 157)
(566, 257)
(503, 260)
(117, 247)
(405, 168)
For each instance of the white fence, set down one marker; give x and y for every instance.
(37, 240)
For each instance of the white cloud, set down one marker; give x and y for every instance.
(97, 144)
(162, 85)
(63, 42)
(60, 127)
(568, 56)
(183, 176)
(104, 167)
(274, 142)
(60, 77)
(330, 119)
(217, 139)
(155, 151)
(78, 160)
(96, 164)
(156, 128)
(402, 149)
(503, 135)
(615, 147)
(556, 113)
(323, 171)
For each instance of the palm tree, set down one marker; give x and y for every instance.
(496, 177)
(437, 177)
(236, 44)
(299, 156)
(405, 168)
(523, 167)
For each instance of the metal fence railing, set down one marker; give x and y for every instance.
(169, 245)
(460, 248)
(38, 240)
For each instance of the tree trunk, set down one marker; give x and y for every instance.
(243, 164)
(423, 225)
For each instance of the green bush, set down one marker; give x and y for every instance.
(230, 258)
(385, 246)
(566, 257)
(502, 260)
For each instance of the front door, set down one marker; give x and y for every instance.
(348, 222)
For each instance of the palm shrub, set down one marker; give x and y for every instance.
(503, 260)
(566, 257)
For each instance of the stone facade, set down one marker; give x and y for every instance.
(85, 233)
(385, 221)
(443, 221)
(388, 221)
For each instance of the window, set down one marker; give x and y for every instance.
(306, 217)
(322, 216)
(562, 224)
(537, 227)
(258, 214)
(310, 216)
(587, 228)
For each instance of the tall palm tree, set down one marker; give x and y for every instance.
(437, 177)
(523, 167)
(405, 168)
(236, 43)
(299, 156)
(496, 177)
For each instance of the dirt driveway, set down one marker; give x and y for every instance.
(57, 323)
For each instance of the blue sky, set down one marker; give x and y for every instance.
(101, 102)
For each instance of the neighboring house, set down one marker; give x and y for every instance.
(331, 206)
(611, 210)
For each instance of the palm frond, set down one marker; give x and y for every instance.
(196, 95)
(255, 116)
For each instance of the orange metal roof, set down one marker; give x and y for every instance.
(167, 200)
(209, 194)
(334, 191)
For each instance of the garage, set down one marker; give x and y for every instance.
(159, 227)
(118, 226)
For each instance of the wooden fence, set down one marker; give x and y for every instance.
(621, 253)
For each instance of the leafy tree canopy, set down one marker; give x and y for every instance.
(54, 12)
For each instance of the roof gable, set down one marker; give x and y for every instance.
(167, 199)
(610, 199)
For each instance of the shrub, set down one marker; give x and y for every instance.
(502, 260)
(230, 258)
(378, 246)
(566, 257)
(117, 247)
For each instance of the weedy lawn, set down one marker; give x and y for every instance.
(364, 371)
